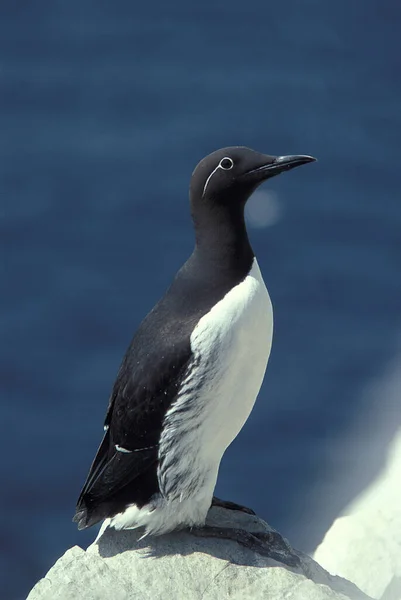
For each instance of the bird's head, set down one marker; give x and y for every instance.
(230, 175)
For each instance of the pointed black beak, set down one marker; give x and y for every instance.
(278, 164)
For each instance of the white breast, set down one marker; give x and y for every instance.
(231, 346)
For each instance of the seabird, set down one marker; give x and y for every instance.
(191, 375)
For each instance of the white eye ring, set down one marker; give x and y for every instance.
(230, 161)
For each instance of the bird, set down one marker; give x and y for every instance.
(193, 370)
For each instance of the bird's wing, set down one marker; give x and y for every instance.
(147, 384)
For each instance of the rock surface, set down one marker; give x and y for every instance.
(364, 545)
(120, 566)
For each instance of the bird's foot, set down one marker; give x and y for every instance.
(266, 543)
(231, 506)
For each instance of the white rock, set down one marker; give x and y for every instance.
(365, 544)
(78, 575)
(119, 566)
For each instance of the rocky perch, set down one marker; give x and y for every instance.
(364, 545)
(120, 566)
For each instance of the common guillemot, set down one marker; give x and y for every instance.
(191, 375)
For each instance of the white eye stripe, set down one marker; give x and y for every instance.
(208, 179)
(219, 166)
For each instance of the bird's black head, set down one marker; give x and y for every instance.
(230, 175)
(220, 186)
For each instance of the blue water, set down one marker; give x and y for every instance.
(105, 109)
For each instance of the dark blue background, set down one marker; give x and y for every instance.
(105, 110)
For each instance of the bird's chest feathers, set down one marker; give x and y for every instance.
(238, 328)
(230, 347)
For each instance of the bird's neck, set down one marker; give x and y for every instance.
(221, 237)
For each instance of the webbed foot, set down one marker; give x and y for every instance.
(231, 506)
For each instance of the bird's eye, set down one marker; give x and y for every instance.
(226, 163)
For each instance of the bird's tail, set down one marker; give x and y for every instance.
(85, 513)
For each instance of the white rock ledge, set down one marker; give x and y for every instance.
(180, 566)
(364, 544)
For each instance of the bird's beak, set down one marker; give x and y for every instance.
(274, 165)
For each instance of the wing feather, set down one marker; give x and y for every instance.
(147, 384)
